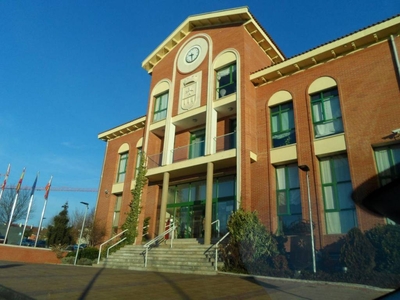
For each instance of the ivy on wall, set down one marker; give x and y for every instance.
(132, 218)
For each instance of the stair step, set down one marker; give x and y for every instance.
(186, 256)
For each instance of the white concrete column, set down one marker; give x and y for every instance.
(209, 195)
(164, 199)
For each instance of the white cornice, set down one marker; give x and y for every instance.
(332, 50)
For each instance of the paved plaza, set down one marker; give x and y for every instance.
(46, 281)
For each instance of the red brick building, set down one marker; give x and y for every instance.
(230, 119)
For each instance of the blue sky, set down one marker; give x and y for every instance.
(72, 69)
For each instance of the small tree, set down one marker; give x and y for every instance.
(132, 218)
(357, 253)
(60, 233)
(386, 241)
(6, 204)
(93, 232)
(251, 246)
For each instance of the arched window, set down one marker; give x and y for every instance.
(325, 107)
(123, 161)
(160, 101)
(225, 74)
(282, 119)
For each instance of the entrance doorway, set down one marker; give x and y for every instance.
(187, 203)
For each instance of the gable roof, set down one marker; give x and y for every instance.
(345, 45)
(239, 15)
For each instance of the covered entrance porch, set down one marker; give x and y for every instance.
(187, 206)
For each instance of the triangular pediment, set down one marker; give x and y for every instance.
(234, 16)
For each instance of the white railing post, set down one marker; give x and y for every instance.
(158, 238)
(216, 251)
(115, 236)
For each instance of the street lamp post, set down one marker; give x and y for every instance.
(306, 169)
(83, 226)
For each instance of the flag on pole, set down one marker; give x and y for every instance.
(6, 177)
(34, 185)
(47, 188)
(20, 181)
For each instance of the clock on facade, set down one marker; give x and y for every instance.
(192, 54)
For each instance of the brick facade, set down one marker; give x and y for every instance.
(368, 90)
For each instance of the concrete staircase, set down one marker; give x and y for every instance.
(186, 256)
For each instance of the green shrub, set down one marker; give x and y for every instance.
(386, 241)
(357, 253)
(68, 260)
(89, 252)
(84, 262)
(251, 246)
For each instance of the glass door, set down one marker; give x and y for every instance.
(197, 139)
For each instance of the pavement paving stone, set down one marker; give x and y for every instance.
(45, 281)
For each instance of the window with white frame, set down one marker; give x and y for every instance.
(123, 161)
(340, 212)
(288, 196)
(160, 107)
(326, 113)
(226, 81)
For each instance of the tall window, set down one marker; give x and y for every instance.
(117, 210)
(288, 196)
(160, 107)
(197, 143)
(123, 159)
(282, 123)
(327, 117)
(388, 163)
(226, 81)
(340, 213)
(138, 160)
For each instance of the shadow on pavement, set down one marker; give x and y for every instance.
(6, 293)
(272, 287)
(10, 266)
(90, 285)
(173, 285)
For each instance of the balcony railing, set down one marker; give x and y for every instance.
(154, 161)
(225, 142)
(222, 143)
(193, 150)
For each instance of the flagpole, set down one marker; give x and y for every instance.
(46, 195)
(29, 207)
(40, 223)
(14, 204)
(5, 181)
(11, 215)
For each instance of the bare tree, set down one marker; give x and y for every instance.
(6, 204)
(94, 230)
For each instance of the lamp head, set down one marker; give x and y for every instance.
(304, 168)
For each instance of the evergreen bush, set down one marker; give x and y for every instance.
(357, 253)
(251, 246)
(386, 241)
(89, 253)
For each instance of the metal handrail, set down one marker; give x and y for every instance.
(115, 236)
(144, 228)
(108, 250)
(217, 221)
(172, 228)
(216, 251)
